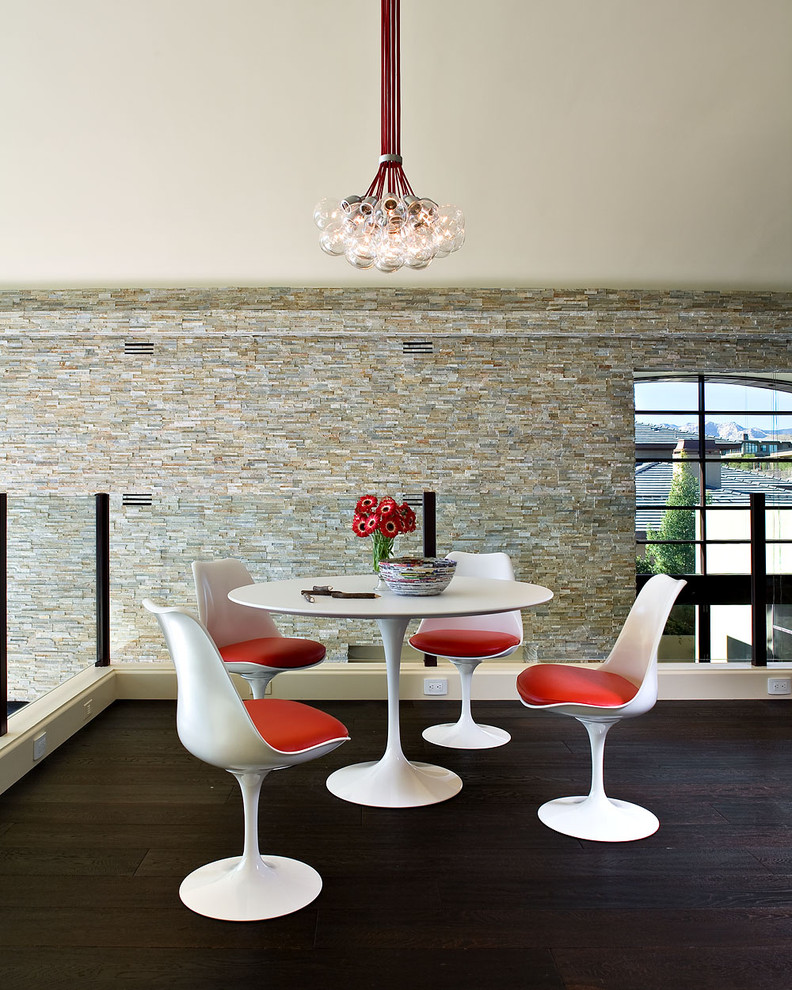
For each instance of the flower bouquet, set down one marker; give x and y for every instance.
(383, 520)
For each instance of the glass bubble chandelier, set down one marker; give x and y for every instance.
(389, 226)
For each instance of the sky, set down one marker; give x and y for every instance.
(767, 409)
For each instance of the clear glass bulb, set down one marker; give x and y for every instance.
(355, 218)
(387, 265)
(326, 211)
(390, 202)
(361, 250)
(412, 207)
(428, 210)
(389, 233)
(452, 215)
(419, 247)
(390, 249)
(333, 238)
(459, 240)
(362, 263)
(449, 230)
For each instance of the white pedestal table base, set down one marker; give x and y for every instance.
(394, 782)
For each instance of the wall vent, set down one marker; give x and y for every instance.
(417, 347)
(137, 498)
(138, 347)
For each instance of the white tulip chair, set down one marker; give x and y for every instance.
(248, 739)
(467, 641)
(248, 639)
(599, 696)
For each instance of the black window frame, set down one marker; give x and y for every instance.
(705, 588)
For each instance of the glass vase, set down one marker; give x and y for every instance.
(381, 549)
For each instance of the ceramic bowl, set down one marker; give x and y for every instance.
(417, 575)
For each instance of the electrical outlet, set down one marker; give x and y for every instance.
(435, 685)
(39, 746)
(87, 709)
(779, 685)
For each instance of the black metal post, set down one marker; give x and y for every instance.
(102, 579)
(430, 524)
(4, 612)
(430, 546)
(758, 581)
(704, 633)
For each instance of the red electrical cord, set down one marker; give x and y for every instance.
(390, 172)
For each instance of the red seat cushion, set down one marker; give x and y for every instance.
(291, 727)
(562, 683)
(274, 651)
(463, 642)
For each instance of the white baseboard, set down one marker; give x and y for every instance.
(492, 681)
(66, 709)
(719, 682)
(58, 715)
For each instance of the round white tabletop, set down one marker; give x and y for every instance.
(392, 781)
(464, 596)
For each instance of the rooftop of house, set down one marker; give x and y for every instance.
(653, 483)
(650, 433)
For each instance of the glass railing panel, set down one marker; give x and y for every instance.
(51, 593)
(779, 632)
(731, 633)
(678, 642)
(778, 527)
(778, 561)
(276, 537)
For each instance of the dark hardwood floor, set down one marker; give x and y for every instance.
(471, 894)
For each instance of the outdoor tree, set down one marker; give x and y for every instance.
(679, 524)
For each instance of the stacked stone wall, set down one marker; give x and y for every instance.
(261, 414)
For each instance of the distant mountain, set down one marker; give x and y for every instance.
(720, 431)
(730, 431)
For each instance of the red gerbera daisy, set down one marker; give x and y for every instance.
(389, 527)
(388, 507)
(366, 504)
(408, 518)
(383, 520)
(359, 525)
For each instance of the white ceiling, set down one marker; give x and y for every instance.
(609, 143)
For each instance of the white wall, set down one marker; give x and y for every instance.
(590, 142)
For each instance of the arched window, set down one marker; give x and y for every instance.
(704, 444)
